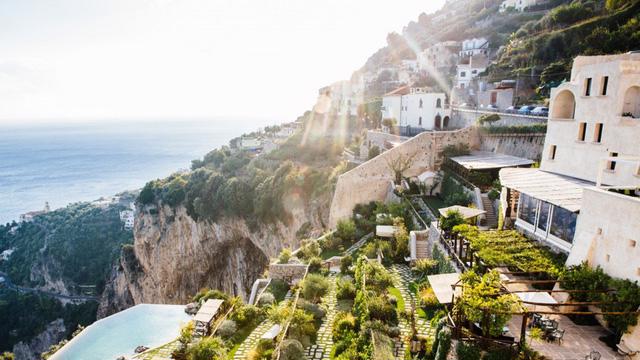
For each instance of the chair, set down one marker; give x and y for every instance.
(536, 318)
(594, 355)
(557, 335)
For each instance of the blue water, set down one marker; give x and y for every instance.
(119, 334)
(68, 162)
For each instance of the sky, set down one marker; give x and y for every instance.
(79, 59)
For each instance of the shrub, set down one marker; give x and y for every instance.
(452, 219)
(309, 249)
(494, 194)
(284, 257)
(266, 299)
(381, 309)
(247, 314)
(210, 348)
(302, 327)
(428, 297)
(488, 118)
(498, 354)
(374, 151)
(315, 264)
(343, 324)
(443, 338)
(314, 287)
(292, 350)
(467, 351)
(345, 264)
(262, 351)
(346, 230)
(227, 329)
(425, 267)
(346, 290)
(318, 312)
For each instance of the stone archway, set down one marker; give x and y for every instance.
(438, 121)
(445, 122)
(631, 103)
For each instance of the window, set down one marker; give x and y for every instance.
(611, 165)
(420, 104)
(552, 152)
(474, 72)
(632, 243)
(582, 131)
(528, 209)
(563, 224)
(587, 86)
(420, 120)
(438, 103)
(597, 134)
(608, 257)
(543, 218)
(463, 74)
(605, 84)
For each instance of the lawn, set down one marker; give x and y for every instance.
(400, 301)
(329, 253)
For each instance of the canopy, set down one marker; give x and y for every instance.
(537, 297)
(271, 333)
(442, 286)
(208, 310)
(466, 212)
(385, 230)
(481, 160)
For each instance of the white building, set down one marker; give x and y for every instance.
(127, 216)
(469, 68)
(519, 5)
(470, 47)
(416, 108)
(584, 200)
(442, 55)
(249, 144)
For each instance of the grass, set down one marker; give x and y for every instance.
(329, 253)
(239, 337)
(400, 301)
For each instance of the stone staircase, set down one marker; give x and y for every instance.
(422, 249)
(491, 217)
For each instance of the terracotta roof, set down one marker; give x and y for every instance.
(403, 90)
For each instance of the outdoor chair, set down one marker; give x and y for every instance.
(594, 355)
(557, 335)
(536, 319)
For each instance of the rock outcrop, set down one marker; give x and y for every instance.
(174, 256)
(31, 350)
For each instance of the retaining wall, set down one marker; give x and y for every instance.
(528, 146)
(467, 117)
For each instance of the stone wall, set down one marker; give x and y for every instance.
(379, 139)
(522, 145)
(287, 272)
(461, 118)
(370, 180)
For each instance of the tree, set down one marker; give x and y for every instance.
(292, 350)
(314, 287)
(483, 301)
(374, 151)
(452, 219)
(399, 164)
(209, 348)
(6, 356)
(284, 257)
(346, 230)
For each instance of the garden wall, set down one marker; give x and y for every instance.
(287, 272)
(466, 117)
(370, 181)
(522, 145)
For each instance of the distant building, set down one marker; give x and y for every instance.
(469, 68)
(520, 5)
(28, 216)
(249, 144)
(440, 56)
(127, 216)
(498, 94)
(416, 108)
(472, 47)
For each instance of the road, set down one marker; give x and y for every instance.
(74, 298)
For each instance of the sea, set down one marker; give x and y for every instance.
(62, 162)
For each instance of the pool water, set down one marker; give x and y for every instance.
(119, 334)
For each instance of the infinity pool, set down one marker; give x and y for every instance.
(119, 334)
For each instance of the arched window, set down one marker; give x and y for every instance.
(420, 104)
(445, 122)
(438, 121)
(631, 105)
(438, 103)
(564, 105)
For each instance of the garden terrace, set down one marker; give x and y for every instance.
(499, 248)
(481, 168)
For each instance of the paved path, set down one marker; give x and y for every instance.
(402, 277)
(252, 340)
(358, 244)
(324, 340)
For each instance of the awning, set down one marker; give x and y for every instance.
(466, 212)
(482, 160)
(537, 297)
(442, 286)
(385, 230)
(271, 333)
(559, 190)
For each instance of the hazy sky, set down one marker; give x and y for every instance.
(148, 58)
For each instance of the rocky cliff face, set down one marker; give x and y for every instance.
(31, 350)
(174, 256)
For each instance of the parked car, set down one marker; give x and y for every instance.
(512, 109)
(492, 107)
(540, 111)
(526, 110)
(465, 105)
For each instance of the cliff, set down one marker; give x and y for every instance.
(31, 350)
(174, 256)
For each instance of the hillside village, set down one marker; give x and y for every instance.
(481, 207)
